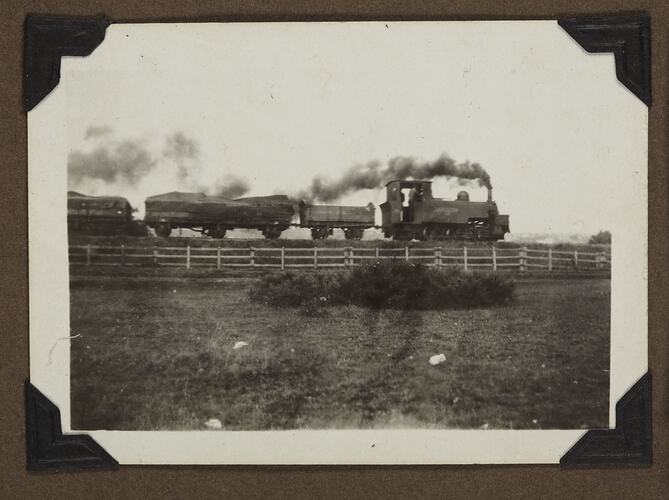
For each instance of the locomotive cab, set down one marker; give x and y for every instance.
(404, 201)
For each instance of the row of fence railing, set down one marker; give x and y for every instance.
(521, 259)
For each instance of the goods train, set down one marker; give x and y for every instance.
(409, 212)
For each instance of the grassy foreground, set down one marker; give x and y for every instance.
(159, 355)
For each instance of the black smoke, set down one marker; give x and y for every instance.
(127, 161)
(229, 187)
(95, 131)
(184, 151)
(375, 175)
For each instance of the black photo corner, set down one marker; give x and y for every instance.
(48, 38)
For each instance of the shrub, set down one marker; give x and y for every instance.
(602, 237)
(392, 284)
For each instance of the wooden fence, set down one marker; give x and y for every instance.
(517, 259)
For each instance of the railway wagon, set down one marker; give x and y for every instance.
(410, 212)
(101, 215)
(323, 219)
(214, 215)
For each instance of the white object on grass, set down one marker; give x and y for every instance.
(437, 358)
(213, 423)
(240, 344)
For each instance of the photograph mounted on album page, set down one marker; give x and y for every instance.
(339, 242)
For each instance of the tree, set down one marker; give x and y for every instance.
(602, 237)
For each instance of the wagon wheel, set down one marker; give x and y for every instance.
(217, 232)
(318, 233)
(163, 229)
(271, 233)
(349, 233)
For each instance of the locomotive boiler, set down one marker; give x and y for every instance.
(411, 212)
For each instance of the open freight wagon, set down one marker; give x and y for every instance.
(323, 219)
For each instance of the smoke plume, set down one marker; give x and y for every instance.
(184, 151)
(126, 161)
(95, 131)
(375, 175)
(119, 165)
(229, 187)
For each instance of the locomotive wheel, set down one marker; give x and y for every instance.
(401, 236)
(430, 233)
(353, 233)
(163, 230)
(436, 232)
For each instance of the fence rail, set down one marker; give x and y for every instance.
(520, 259)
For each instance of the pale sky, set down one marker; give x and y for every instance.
(278, 103)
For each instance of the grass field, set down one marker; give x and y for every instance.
(158, 354)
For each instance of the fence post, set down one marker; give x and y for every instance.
(550, 259)
(315, 257)
(252, 256)
(406, 253)
(598, 260)
(377, 253)
(440, 261)
(350, 256)
(436, 256)
(283, 258)
(188, 256)
(155, 256)
(576, 258)
(494, 258)
(122, 254)
(88, 254)
(218, 257)
(464, 256)
(523, 259)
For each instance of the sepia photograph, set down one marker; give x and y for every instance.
(361, 226)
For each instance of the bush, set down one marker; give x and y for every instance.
(602, 237)
(392, 284)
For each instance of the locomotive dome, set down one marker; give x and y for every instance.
(463, 196)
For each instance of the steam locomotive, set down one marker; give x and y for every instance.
(409, 212)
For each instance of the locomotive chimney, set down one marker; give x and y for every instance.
(489, 195)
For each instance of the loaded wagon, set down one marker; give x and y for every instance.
(214, 215)
(101, 215)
